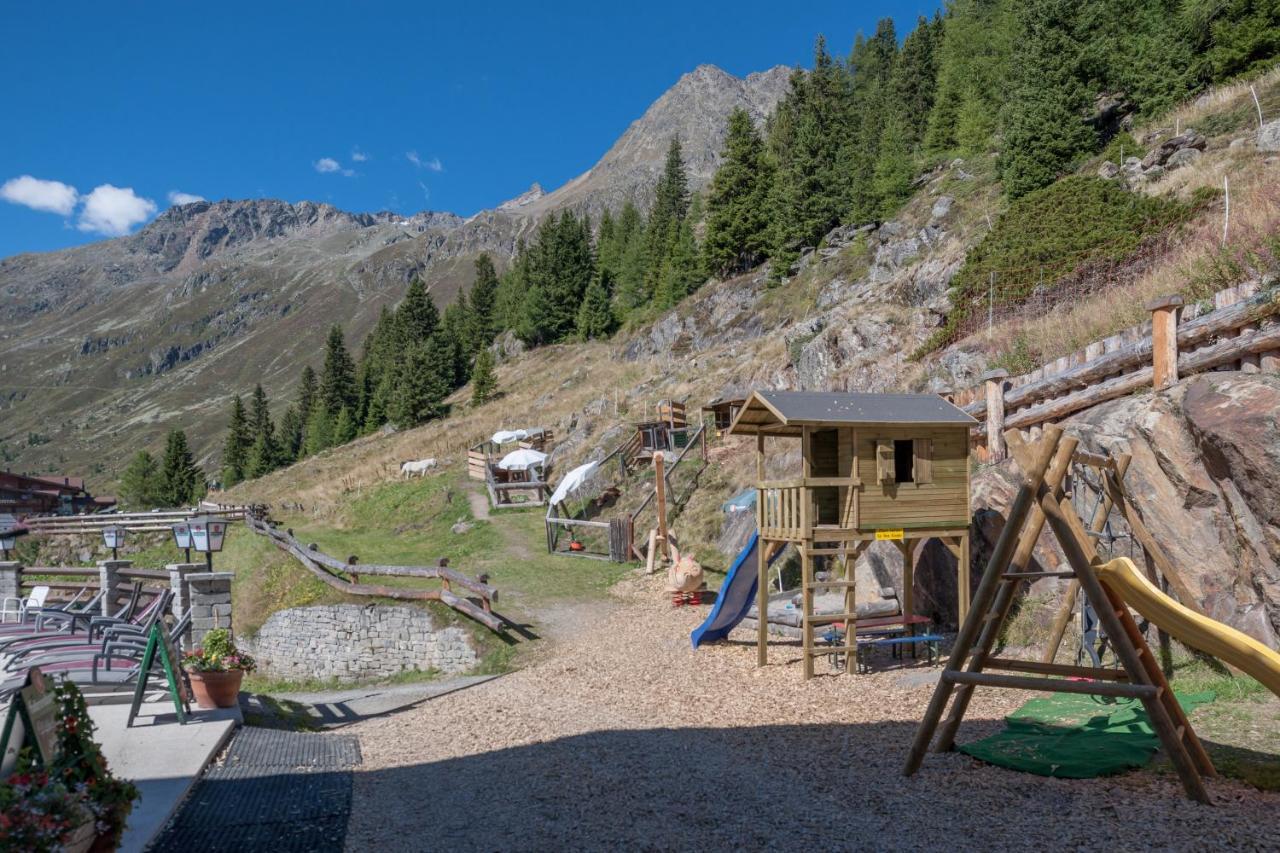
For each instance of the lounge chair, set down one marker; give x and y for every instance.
(18, 606)
(99, 627)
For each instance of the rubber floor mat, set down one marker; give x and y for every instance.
(274, 790)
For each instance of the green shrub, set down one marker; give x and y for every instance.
(1047, 235)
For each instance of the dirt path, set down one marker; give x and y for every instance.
(628, 738)
(479, 503)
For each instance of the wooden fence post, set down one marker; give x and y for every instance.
(994, 383)
(1164, 340)
(660, 485)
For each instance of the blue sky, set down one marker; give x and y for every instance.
(115, 109)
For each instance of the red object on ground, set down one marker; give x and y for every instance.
(575, 545)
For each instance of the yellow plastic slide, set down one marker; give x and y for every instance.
(1221, 641)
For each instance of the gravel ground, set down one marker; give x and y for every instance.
(627, 738)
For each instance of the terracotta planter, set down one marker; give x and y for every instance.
(216, 689)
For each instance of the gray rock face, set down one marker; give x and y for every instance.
(1269, 136)
(1160, 155)
(1183, 157)
(1205, 476)
(1108, 170)
(941, 207)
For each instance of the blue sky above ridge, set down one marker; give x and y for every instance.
(116, 111)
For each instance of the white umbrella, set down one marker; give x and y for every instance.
(503, 436)
(522, 460)
(573, 480)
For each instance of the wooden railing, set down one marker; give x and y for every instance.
(1241, 332)
(780, 510)
(344, 576)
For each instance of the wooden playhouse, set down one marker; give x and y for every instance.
(873, 467)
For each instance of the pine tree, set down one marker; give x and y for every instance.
(680, 272)
(560, 265)
(338, 376)
(483, 302)
(344, 427)
(417, 314)
(235, 449)
(1043, 127)
(973, 60)
(595, 316)
(290, 438)
(140, 483)
(264, 454)
(670, 204)
(483, 381)
(737, 221)
(418, 389)
(376, 413)
(457, 330)
(894, 170)
(307, 391)
(319, 432)
(180, 480)
(915, 78)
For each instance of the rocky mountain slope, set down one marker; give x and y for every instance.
(109, 345)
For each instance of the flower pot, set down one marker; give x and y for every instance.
(82, 838)
(216, 689)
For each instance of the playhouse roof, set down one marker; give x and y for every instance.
(786, 412)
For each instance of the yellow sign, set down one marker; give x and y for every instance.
(893, 535)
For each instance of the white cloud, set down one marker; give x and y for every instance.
(358, 156)
(114, 210)
(433, 164)
(327, 164)
(49, 196)
(176, 197)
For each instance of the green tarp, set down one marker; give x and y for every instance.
(1072, 736)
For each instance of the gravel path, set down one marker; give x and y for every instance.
(627, 738)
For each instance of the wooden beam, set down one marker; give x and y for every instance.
(1164, 340)
(994, 383)
(1051, 685)
(1066, 670)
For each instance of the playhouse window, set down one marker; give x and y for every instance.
(903, 461)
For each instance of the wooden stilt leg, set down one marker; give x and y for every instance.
(963, 580)
(983, 598)
(762, 603)
(806, 613)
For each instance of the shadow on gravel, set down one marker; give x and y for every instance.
(824, 787)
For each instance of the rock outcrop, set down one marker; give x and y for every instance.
(1205, 475)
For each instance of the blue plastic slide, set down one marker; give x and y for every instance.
(737, 594)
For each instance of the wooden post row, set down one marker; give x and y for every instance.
(994, 383)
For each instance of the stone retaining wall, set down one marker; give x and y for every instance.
(353, 642)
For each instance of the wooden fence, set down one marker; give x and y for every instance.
(344, 576)
(1240, 332)
(134, 522)
(614, 538)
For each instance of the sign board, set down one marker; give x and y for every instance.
(889, 535)
(159, 644)
(35, 709)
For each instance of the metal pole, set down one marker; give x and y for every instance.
(208, 560)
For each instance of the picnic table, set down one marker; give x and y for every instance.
(893, 632)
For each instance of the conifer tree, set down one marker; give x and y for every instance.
(264, 453)
(290, 437)
(180, 480)
(344, 427)
(670, 204)
(376, 413)
(483, 301)
(418, 389)
(595, 316)
(737, 221)
(894, 171)
(319, 432)
(235, 449)
(457, 330)
(1043, 127)
(417, 314)
(307, 390)
(483, 381)
(140, 483)
(338, 375)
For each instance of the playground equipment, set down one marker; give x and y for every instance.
(1108, 586)
(736, 593)
(889, 467)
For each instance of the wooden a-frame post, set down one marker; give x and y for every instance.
(1039, 500)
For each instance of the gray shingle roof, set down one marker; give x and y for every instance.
(809, 408)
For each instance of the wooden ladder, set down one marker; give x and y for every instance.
(849, 616)
(1040, 500)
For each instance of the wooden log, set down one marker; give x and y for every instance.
(1164, 340)
(1066, 670)
(994, 383)
(1115, 361)
(1051, 685)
